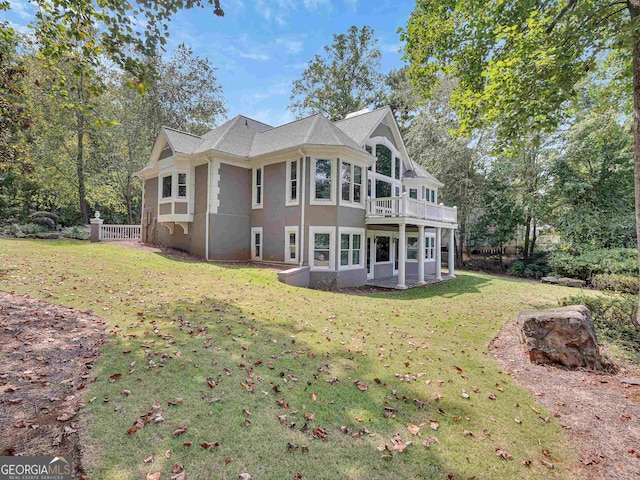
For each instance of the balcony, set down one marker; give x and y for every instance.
(405, 207)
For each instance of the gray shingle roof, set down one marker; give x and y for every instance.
(360, 126)
(420, 172)
(181, 142)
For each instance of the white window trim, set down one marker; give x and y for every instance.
(287, 245)
(254, 180)
(352, 231)
(255, 230)
(332, 248)
(430, 235)
(312, 197)
(288, 201)
(373, 175)
(161, 187)
(177, 173)
(363, 185)
(406, 249)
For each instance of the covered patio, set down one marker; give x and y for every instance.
(411, 281)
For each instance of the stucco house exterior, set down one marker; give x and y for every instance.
(341, 202)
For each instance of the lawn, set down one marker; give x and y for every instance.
(280, 380)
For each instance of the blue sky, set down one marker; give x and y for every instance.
(261, 46)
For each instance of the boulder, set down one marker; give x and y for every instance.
(572, 282)
(564, 336)
(553, 280)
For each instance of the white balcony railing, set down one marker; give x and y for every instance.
(120, 232)
(405, 206)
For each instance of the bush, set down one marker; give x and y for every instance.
(45, 222)
(77, 233)
(614, 318)
(52, 216)
(616, 282)
(622, 261)
(532, 268)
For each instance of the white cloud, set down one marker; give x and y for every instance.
(279, 10)
(23, 29)
(290, 45)
(353, 4)
(22, 9)
(314, 4)
(262, 57)
(278, 89)
(272, 117)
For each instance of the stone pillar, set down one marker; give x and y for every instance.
(95, 222)
(402, 253)
(438, 253)
(421, 254)
(452, 253)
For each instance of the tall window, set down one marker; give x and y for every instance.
(256, 243)
(346, 181)
(384, 165)
(357, 184)
(433, 196)
(412, 248)
(351, 248)
(430, 248)
(398, 171)
(257, 187)
(291, 244)
(182, 185)
(383, 189)
(292, 182)
(166, 186)
(323, 179)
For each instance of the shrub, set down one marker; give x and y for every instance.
(77, 233)
(52, 216)
(623, 261)
(532, 268)
(614, 318)
(616, 282)
(45, 222)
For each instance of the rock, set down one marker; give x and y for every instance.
(553, 280)
(572, 282)
(564, 336)
(630, 381)
(48, 236)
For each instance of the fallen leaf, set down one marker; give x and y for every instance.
(526, 462)
(209, 445)
(148, 459)
(503, 454)
(547, 464)
(179, 431)
(153, 476)
(361, 386)
(65, 417)
(168, 453)
(434, 425)
(430, 440)
(413, 429)
(114, 377)
(243, 476)
(467, 433)
(491, 396)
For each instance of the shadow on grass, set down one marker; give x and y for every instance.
(179, 348)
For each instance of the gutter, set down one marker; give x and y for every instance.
(302, 205)
(206, 220)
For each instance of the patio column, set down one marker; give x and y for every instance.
(421, 254)
(402, 253)
(452, 253)
(438, 253)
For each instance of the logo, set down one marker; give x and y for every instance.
(35, 468)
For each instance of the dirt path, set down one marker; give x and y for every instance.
(46, 356)
(601, 415)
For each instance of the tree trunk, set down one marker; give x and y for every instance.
(460, 246)
(129, 200)
(527, 228)
(634, 11)
(533, 240)
(82, 194)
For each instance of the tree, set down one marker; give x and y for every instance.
(401, 97)
(454, 160)
(346, 79)
(518, 62)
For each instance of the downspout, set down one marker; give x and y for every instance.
(302, 205)
(206, 220)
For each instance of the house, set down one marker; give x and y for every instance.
(341, 202)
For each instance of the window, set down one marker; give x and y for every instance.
(182, 185)
(398, 168)
(291, 244)
(292, 182)
(383, 189)
(413, 193)
(323, 176)
(257, 187)
(369, 151)
(412, 248)
(384, 163)
(321, 248)
(351, 247)
(256, 243)
(346, 181)
(357, 184)
(166, 186)
(383, 249)
(430, 248)
(433, 196)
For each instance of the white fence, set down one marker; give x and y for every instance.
(405, 206)
(120, 232)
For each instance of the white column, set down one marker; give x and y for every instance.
(421, 254)
(452, 253)
(402, 253)
(438, 253)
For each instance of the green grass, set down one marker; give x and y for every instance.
(161, 307)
